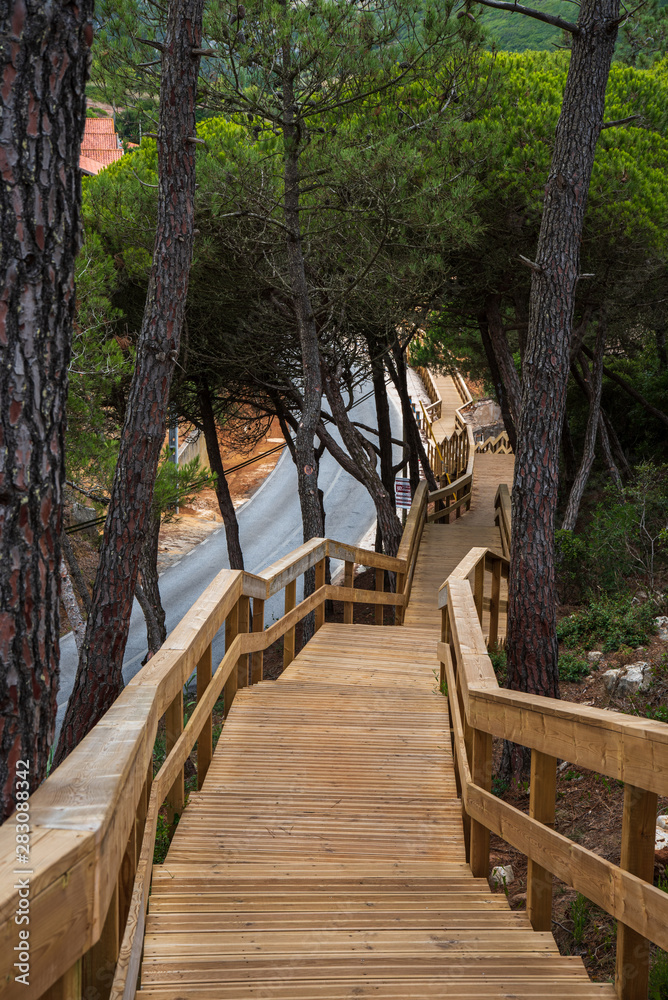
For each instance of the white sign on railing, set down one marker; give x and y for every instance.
(402, 489)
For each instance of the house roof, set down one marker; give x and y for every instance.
(100, 145)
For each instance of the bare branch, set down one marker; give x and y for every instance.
(557, 22)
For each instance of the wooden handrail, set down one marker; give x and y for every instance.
(624, 747)
(100, 800)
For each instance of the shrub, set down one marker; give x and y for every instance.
(572, 668)
(609, 624)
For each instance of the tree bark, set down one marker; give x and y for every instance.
(99, 676)
(616, 444)
(388, 522)
(633, 393)
(234, 553)
(44, 65)
(148, 567)
(416, 448)
(504, 358)
(583, 381)
(568, 451)
(154, 636)
(71, 606)
(499, 386)
(75, 571)
(595, 389)
(382, 418)
(307, 464)
(532, 602)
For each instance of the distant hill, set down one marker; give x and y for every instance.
(516, 32)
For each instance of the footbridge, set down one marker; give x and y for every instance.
(338, 843)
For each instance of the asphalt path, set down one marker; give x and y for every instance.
(269, 527)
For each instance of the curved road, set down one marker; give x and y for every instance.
(270, 527)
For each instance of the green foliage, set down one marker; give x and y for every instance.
(499, 663)
(609, 624)
(572, 668)
(516, 34)
(579, 912)
(162, 840)
(628, 533)
(658, 976)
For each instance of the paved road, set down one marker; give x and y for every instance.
(270, 526)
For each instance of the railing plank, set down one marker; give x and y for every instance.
(176, 796)
(231, 632)
(289, 637)
(542, 796)
(348, 582)
(320, 572)
(380, 587)
(638, 831)
(205, 738)
(257, 658)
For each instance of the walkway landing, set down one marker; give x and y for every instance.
(324, 856)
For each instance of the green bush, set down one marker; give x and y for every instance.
(572, 668)
(499, 662)
(658, 976)
(610, 624)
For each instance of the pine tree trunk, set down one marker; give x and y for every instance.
(99, 676)
(532, 638)
(75, 571)
(154, 638)
(568, 452)
(388, 522)
(148, 567)
(383, 420)
(595, 388)
(416, 448)
(307, 464)
(504, 358)
(499, 386)
(234, 553)
(71, 606)
(44, 65)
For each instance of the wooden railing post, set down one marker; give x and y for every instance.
(481, 772)
(257, 659)
(127, 871)
(320, 582)
(68, 987)
(638, 831)
(399, 609)
(289, 637)
(348, 582)
(231, 632)
(176, 796)
(380, 587)
(244, 624)
(205, 738)
(542, 797)
(479, 588)
(495, 604)
(99, 962)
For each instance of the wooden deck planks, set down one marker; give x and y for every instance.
(324, 856)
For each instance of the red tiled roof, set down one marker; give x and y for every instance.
(99, 146)
(103, 156)
(99, 125)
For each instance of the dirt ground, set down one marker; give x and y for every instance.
(589, 812)
(193, 524)
(181, 533)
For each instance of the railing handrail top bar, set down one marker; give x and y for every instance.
(616, 722)
(462, 571)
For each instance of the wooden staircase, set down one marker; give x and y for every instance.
(324, 856)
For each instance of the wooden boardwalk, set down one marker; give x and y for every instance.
(324, 856)
(451, 401)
